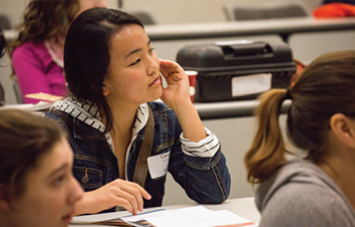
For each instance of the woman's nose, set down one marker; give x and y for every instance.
(76, 191)
(154, 66)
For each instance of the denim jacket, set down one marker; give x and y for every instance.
(205, 180)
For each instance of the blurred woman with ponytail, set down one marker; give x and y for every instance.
(317, 189)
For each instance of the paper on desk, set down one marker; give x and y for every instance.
(44, 96)
(40, 106)
(106, 217)
(192, 217)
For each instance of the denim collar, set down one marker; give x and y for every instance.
(87, 112)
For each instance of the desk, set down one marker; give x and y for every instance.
(220, 110)
(243, 207)
(207, 111)
(284, 28)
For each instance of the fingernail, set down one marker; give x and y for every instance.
(163, 80)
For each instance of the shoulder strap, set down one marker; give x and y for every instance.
(141, 169)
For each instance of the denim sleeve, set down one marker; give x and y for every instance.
(206, 180)
(207, 147)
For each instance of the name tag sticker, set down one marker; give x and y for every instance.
(253, 84)
(158, 165)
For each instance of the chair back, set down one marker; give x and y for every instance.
(144, 15)
(17, 92)
(265, 10)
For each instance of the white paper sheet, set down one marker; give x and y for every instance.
(191, 217)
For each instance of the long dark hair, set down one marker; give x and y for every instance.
(86, 53)
(24, 139)
(324, 88)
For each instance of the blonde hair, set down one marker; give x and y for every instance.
(25, 138)
(268, 147)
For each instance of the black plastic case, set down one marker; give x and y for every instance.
(238, 70)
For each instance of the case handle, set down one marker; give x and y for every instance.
(247, 49)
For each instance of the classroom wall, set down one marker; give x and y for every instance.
(193, 11)
(164, 11)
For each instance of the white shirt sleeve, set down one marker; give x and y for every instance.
(205, 148)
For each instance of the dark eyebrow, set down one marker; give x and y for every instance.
(54, 172)
(135, 51)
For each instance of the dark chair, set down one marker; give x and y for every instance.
(2, 95)
(265, 10)
(17, 92)
(144, 15)
(5, 22)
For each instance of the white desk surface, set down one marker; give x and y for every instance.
(245, 28)
(207, 111)
(238, 28)
(243, 207)
(220, 110)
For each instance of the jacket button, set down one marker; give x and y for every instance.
(85, 178)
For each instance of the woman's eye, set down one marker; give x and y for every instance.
(135, 62)
(58, 181)
(151, 50)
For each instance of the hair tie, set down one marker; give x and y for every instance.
(288, 94)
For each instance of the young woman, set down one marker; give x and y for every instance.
(317, 190)
(37, 187)
(117, 131)
(37, 54)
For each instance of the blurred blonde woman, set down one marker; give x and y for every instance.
(37, 187)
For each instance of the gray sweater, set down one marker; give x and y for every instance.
(301, 194)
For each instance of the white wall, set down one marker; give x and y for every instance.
(164, 11)
(308, 46)
(192, 11)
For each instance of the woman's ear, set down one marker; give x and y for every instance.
(4, 198)
(343, 127)
(105, 91)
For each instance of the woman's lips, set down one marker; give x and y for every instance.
(155, 82)
(67, 218)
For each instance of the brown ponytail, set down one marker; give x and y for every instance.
(267, 151)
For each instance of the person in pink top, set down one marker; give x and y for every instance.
(37, 54)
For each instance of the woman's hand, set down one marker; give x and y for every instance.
(116, 193)
(178, 90)
(177, 96)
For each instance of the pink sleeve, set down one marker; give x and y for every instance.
(29, 70)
